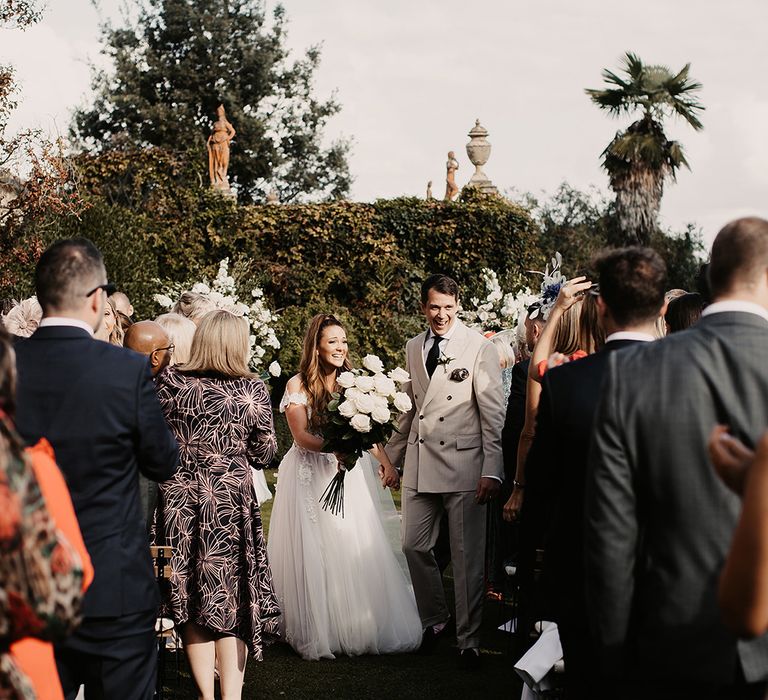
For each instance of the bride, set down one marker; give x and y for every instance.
(341, 585)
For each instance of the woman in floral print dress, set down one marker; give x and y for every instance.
(221, 594)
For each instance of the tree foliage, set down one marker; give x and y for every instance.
(640, 158)
(582, 224)
(179, 59)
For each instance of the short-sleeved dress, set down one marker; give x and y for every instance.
(220, 576)
(340, 581)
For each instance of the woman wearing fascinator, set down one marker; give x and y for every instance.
(24, 317)
(341, 586)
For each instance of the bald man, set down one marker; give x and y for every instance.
(150, 339)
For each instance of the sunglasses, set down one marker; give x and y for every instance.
(108, 287)
(170, 348)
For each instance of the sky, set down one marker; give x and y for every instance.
(412, 76)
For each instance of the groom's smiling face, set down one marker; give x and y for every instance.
(440, 311)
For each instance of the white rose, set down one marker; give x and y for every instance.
(347, 409)
(346, 380)
(364, 403)
(201, 288)
(361, 423)
(164, 300)
(373, 364)
(380, 414)
(399, 375)
(380, 401)
(384, 385)
(352, 393)
(364, 383)
(402, 402)
(274, 369)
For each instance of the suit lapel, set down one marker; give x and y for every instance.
(416, 362)
(454, 348)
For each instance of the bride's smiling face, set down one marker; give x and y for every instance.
(332, 348)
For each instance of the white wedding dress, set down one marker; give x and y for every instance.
(342, 583)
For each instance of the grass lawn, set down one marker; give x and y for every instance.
(283, 674)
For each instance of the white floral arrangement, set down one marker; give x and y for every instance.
(498, 310)
(223, 293)
(364, 413)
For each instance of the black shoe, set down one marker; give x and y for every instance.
(470, 659)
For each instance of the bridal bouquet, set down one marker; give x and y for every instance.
(363, 414)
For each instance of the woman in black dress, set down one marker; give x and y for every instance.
(221, 594)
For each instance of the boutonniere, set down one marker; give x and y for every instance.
(444, 360)
(459, 375)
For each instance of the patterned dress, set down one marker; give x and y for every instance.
(40, 572)
(220, 577)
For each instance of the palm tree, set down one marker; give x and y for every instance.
(639, 159)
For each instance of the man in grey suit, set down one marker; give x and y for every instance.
(658, 520)
(450, 445)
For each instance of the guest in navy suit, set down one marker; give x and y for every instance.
(632, 283)
(96, 405)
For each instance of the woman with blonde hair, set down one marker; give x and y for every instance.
(180, 330)
(221, 594)
(110, 330)
(560, 341)
(340, 583)
(193, 306)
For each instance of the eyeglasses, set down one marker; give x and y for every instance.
(108, 287)
(170, 348)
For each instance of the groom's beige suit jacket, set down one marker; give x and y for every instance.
(452, 434)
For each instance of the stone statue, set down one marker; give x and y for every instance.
(429, 190)
(451, 190)
(218, 150)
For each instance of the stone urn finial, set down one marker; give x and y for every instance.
(479, 150)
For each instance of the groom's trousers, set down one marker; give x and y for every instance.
(466, 524)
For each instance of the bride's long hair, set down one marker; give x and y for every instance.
(311, 371)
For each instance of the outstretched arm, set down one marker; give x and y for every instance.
(570, 293)
(743, 591)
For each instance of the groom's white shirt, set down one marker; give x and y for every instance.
(428, 342)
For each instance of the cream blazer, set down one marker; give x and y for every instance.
(452, 434)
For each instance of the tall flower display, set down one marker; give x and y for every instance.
(223, 292)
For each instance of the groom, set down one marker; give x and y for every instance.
(450, 446)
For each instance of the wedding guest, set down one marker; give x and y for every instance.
(658, 520)
(193, 306)
(502, 551)
(342, 588)
(560, 339)
(502, 341)
(41, 570)
(110, 330)
(743, 593)
(631, 283)
(591, 331)
(150, 339)
(181, 331)
(221, 594)
(23, 317)
(450, 446)
(122, 304)
(670, 295)
(683, 312)
(496, 540)
(96, 405)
